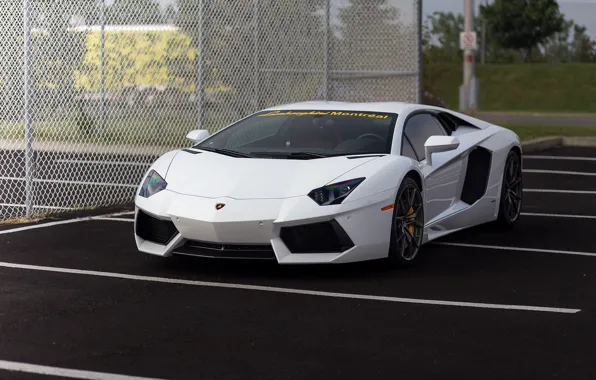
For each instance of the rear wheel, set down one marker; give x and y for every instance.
(407, 227)
(511, 191)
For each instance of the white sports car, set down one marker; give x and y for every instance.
(330, 182)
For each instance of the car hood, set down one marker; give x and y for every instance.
(215, 175)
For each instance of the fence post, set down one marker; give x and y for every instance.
(27, 108)
(201, 66)
(102, 101)
(326, 52)
(256, 55)
(420, 87)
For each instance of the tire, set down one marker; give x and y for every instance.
(511, 191)
(407, 224)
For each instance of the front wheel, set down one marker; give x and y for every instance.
(407, 226)
(511, 191)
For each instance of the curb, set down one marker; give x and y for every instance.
(544, 143)
(534, 114)
(589, 142)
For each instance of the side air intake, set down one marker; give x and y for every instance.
(478, 170)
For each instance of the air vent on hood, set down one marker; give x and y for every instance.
(367, 156)
(191, 151)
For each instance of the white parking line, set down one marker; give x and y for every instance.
(65, 372)
(36, 207)
(289, 290)
(114, 219)
(564, 172)
(576, 253)
(559, 191)
(539, 214)
(68, 182)
(68, 221)
(560, 158)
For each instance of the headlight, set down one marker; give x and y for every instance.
(335, 193)
(153, 184)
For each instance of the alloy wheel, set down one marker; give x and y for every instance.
(513, 189)
(409, 222)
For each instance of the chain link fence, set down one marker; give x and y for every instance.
(92, 91)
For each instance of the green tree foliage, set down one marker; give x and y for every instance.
(557, 47)
(522, 24)
(443, 29)
(138, 59)
(583, 48)
(441, 43)
(571, 45)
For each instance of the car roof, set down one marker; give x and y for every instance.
(400, 108)
(389, 107)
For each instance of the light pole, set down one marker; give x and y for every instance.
(483, 51)
(468, 92)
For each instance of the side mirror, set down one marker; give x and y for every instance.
(198, 135)
(437, 144)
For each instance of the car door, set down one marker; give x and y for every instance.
(441, 180)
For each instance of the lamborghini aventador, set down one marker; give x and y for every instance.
(330, 182)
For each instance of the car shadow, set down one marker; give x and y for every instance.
(433, 260)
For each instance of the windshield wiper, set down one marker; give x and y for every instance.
(296, 155)
(307, 155)
(228, 152)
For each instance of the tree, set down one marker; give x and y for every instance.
(292, 35)
(124, 12)
(443, 33)
(583, 49)
(57, 52)
(557, 47)
(369, 36)
(522, 24)
(372, 38)
(571, 45)
(289, 39)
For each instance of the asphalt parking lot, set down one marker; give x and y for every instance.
(75, 295)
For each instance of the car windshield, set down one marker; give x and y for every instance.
(305, 134)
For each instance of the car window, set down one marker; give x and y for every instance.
(261, 129)
(419, 128)
(407, 150)
(324, 132)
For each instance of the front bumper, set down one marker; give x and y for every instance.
(293, 230)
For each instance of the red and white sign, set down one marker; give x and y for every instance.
(467, 40)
